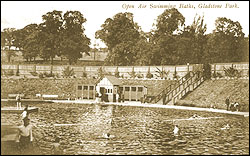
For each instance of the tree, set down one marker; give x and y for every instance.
(74, 42)
(7, 41)
(230, 37)
(199, 28)
(143, 50)
(50, 34)
(168, 22)
(164, 37)
(120, 34)
(27, 41)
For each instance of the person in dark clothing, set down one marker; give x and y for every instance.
(227, 103)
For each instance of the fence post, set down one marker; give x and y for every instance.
(17, 69)
(51, 69)
(34, 68)
(215, 68)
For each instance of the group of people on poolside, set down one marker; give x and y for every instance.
(235, 106)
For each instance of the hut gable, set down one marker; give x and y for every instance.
(113, 80)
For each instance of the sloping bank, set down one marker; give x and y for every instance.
(213, 93)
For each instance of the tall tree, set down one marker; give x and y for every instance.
(226, 41)
(26, 40)
(120, 34)
(74, 41)
(50, 34)
(164, 37)
(199, 28)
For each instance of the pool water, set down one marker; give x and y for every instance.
(134, 130)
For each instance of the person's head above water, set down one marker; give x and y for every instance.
(57, 140)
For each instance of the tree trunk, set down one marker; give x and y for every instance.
(52, 60)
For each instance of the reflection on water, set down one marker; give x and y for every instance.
(136, 130)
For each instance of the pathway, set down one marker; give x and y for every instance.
(139, 104)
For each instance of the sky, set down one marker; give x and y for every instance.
(18, 14)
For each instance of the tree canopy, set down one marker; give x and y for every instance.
(170, 42)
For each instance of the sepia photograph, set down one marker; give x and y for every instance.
(124, 77)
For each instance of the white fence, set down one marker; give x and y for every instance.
(220, 67)
(125, 70)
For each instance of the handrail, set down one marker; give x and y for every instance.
(177, 88)
(168, 89)
(197, 82)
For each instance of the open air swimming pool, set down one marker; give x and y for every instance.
(136, 130)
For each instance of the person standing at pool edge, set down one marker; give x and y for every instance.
(24, 135)
(18, 99)
(227, 103)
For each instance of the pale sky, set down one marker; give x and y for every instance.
(18, 14)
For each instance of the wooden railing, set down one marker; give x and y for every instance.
(159, 96)
(167, 90)
(187, 85)
(189, 88)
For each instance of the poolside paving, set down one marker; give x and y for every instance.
(139, 104)
(134, 103)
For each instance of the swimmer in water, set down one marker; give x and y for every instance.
(108, 136)
(226, 127)
(195, 116)
(176, 130)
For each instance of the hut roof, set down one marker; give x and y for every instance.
(114, 80)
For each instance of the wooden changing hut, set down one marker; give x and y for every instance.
(108, 87)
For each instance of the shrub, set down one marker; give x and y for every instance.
(48, 74)
(17, 72)
(139, 75)
(149, 75)
(232, 72)
(34, 73)
(84, 74)
(161, 73)
(9, 72)
(132, 73)
(117, 74)
(41, 75)
(175, 75)
(217, 74)
(67, 72)
(100, 72)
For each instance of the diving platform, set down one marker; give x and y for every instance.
(18, 111)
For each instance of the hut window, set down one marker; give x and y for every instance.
(139, 89)
(91, 87)
(126, 88)
(121, 89)
(85, 87)
(133, 89)
(79, 87)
